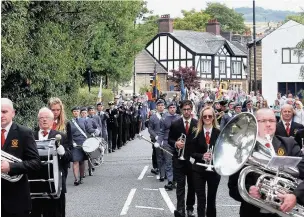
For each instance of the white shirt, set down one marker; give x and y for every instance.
(284, 123)
(40, 135)
(7, 129)
(263, 141)
(210, 131)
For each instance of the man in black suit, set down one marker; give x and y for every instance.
(287, 127)
(112, 127)
(279, 146)
(249, 107)
(52, 207)
(18, 141)
(183, 168)
(300, 138)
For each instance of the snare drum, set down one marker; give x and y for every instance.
(47, 182)
(94, 149)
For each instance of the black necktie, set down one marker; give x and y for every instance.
(161, 114)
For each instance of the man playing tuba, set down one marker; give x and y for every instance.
(277, 145)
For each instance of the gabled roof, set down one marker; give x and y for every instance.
(205, 42)
(288, 24)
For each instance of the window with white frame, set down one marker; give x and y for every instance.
(205, 66)
(292, 56)
(236, 68)
(222, 66)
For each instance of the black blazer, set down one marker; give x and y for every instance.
(290, 148)
(299, 136)
(65, 159)
(20, 142)
(299, 192)
(199, 147)
(176, 129)
(280, 131)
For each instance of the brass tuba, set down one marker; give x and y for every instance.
(235, 147)
(11, 159)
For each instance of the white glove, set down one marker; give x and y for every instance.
(60, 150)
(156, 138)
(156, 145)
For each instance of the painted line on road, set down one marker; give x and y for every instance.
(143, 172)
(167, 200)
(150, 189)
(148, 207)
(128, 202)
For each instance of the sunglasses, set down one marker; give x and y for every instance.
(207, 116)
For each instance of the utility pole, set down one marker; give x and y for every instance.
(134, 73)
(254, 51)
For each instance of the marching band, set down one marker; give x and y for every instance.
(184, 152)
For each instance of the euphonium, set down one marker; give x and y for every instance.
(237, 145)
(11, 159)
(181, 152)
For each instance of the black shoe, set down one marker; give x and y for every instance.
(154, 171)
(76, 182)
(169, 186)
(190, 213)
(178, 214)
(161, 179)
(90, 172)
(110, 151)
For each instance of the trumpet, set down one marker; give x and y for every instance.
(208, 163)
(156, 145)
(181, 152)
(12, 159)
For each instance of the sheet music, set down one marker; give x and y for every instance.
(283, 161)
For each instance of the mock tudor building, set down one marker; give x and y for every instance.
(213, 56)
(278, 67)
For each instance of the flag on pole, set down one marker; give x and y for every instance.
(100, 90)
(182, 89)
(155, 84)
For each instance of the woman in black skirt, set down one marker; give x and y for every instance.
(206, 135)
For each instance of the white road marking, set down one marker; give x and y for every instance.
(148, 207)
(128, 202)
(150, 176)
(143, 172)
(167, 200)
(150, 189)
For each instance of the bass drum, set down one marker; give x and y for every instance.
(94, 149)
(47, 182)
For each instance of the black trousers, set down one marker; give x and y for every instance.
(182, 171)
(112, 136)
(154, 159)
(48, 207)
(5, 214)
(200, 179)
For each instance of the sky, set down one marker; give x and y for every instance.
(174, 7)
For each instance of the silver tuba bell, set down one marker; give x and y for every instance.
(11, 159)
(237, 146)
(181, 152)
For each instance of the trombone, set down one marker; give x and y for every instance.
(181, 152)
(208, 163)
(12, 159)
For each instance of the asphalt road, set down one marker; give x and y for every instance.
(124, 186)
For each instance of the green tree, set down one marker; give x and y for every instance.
(229, 19)
(48, 45)
(192, 20)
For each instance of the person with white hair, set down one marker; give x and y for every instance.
(51, 207)
(299, 113)
(19, 142)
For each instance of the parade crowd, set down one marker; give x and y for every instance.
(183, 131)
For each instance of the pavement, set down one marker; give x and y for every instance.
(124, 186)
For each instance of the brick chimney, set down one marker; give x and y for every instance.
(165, 23)
(213, 27)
